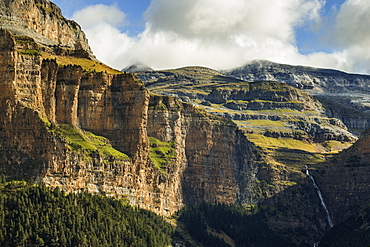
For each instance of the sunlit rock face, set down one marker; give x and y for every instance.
(74, 128)
(91, 131)
(267, 108)
(43, 21)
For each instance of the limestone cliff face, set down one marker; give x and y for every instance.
(214, 162)
(223, 165)
(38, 96)
(106, 134)
(265, 96)
(43, 21)
(214, 159)
(267, 108)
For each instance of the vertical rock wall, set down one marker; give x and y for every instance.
(211, 160)
(215, 163)
(66, 94)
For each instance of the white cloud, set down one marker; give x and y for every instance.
(219, 19)
(351, 32)
(352, 23)
(224, 34)
(101, 24)
(109, 44)
(96, 14)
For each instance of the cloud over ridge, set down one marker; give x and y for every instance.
(225, 34)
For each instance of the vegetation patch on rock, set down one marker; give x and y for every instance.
(81, 140)
(88, 65)
(161, 153)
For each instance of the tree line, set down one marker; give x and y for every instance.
(34, 215)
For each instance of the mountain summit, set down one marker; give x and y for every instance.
(137, 67)
(345, 96)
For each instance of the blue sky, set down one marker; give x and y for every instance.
(308, 40)
(134, 10)
(224, 34)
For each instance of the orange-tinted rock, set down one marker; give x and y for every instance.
(212, 161)
(43, 21)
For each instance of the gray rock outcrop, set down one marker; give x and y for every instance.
(345, 96)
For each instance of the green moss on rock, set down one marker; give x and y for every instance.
(29, 52)
(161, 153)
(81, 140)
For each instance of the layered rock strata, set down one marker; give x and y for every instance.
(345, 96)
(43, 21)
(71, 129)
(314, 80)
(284, 111)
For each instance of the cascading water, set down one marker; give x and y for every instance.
(330, 221)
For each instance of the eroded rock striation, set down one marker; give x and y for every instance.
(105, 133)
(42, 20)
(344, 95)
(74, 128)
(267, 108)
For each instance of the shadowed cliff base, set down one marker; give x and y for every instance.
(293, 217)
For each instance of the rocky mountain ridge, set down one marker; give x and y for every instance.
(266, 108)
(344, 95)
(317, 80)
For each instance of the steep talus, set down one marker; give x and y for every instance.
(43, 21)
(345, 96)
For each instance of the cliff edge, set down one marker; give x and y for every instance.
(79, 129)
(42, 20)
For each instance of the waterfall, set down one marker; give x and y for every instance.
(330, 221)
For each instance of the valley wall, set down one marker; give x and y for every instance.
(344, 180)
(81, 130)
(89, 131)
